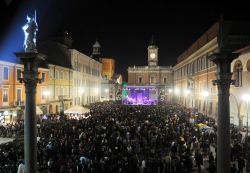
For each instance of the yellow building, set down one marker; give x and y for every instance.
(108, 67)
(12, 92)
(60, 88)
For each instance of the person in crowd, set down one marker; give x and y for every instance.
(117, 138)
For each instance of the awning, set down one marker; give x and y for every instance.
(38, 111)
(77, 110)
(5, 140)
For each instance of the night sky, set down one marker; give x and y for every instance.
(123, 28)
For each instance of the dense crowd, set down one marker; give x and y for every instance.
(120, 139)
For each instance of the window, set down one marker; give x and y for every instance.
(164, 80)
(51, 73)
(5, 73)
(204, 106)
(75, 65)
(79, 67)
(61, 91)
(248, 65)
(152, 79)
(140, 79)
(238, 73)
(18, 74)
(210, 107)
(83, 68)
(199, 105)
(5, 95)
(61, 74)
(18, 94)
(43, 77)
(57, 74)
(66, 77)
(56, 94)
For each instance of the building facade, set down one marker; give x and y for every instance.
(12, 92)
(86, 78)
(59, 88)
(194, 74)
(108, 67)
(153, 74)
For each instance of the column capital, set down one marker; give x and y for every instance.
(223, 57)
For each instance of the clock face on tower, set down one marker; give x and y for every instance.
(152, 55)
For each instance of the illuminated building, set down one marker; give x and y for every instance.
(75, 78)
(154, 75)
(195, 73)
(108, 67)
(12, 92)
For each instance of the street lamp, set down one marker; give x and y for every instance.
(81, 91)
(46, 93)
(96, 90)
(187, 92)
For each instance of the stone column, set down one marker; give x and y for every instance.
(223, 62)
(30, 79)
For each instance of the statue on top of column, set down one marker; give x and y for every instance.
(30, 29)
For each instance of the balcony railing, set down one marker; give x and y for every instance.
(18, 103)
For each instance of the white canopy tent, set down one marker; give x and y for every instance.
(5, 140)
(77, 110)
(38, 111)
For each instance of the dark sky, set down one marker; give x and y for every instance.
(123, 27)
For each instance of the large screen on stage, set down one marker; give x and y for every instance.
(140, 95)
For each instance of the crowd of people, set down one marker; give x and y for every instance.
(120, 139)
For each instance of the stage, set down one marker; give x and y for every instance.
(140, 95)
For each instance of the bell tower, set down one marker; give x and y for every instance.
(96, 53)
(152, 54)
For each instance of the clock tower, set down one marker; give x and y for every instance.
(152, 54)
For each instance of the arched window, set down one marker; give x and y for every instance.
(248, 65)
(238, 73)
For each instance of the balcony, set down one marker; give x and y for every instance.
(19, 103)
